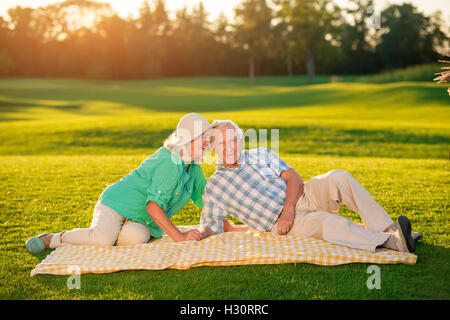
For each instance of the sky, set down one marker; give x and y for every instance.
(215, 7)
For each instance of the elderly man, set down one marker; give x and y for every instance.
(261, 190)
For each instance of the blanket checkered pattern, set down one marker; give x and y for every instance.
(225, 249)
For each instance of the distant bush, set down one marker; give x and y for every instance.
(426, 72)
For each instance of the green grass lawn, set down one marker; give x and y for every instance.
(63, 141)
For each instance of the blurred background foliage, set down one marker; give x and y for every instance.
(88, 39)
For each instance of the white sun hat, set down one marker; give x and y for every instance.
(191, 126)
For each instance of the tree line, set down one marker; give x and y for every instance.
(87, 39)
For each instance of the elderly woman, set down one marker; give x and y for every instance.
(140, 204)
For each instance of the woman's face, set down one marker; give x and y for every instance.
(197, 148)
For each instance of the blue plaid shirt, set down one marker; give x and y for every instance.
(254, 192)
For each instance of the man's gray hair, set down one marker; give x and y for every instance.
(220, 124)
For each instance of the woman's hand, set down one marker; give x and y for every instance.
(191, 235)
(162, 220)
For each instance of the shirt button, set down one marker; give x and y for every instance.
(177, 193)
(147, 223)
(159, 191)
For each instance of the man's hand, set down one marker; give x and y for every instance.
(286, 220)
(190, 235)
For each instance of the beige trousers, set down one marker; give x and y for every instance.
(316, 212)
(107, 228)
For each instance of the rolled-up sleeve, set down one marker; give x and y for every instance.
(276, 163)
(161, 188)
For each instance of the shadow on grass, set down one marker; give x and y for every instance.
(128, 138)
(332, 140)
(7, 106)
(198, 95)
(314, 139)
(318, 133)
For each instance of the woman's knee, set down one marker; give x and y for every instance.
(101, 238)
(133, 233)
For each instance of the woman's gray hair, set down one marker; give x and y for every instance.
(178, 150)
(172, 142)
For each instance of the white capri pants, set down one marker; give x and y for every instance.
(316, 212)
(107, 228)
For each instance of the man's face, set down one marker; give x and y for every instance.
(226, 145)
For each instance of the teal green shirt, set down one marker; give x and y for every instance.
(161, 178)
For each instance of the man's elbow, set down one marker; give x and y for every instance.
(291, 175)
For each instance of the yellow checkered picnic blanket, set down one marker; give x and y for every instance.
(225, 249)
